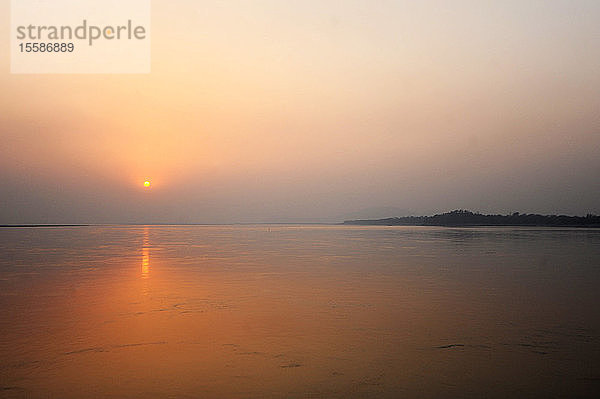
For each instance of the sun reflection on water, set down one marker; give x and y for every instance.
(146, 255)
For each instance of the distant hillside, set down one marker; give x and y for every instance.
(468, 218)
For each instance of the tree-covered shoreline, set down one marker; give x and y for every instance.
(468, 218)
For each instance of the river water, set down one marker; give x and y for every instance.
(299, 312)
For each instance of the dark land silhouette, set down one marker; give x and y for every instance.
(461, 218)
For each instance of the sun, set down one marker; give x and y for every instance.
(147, 184)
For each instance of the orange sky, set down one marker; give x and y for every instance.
(259, 111)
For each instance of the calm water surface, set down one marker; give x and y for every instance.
(299, 312)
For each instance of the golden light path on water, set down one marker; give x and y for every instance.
(145, 255)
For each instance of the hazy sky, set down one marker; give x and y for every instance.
(295, 111)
